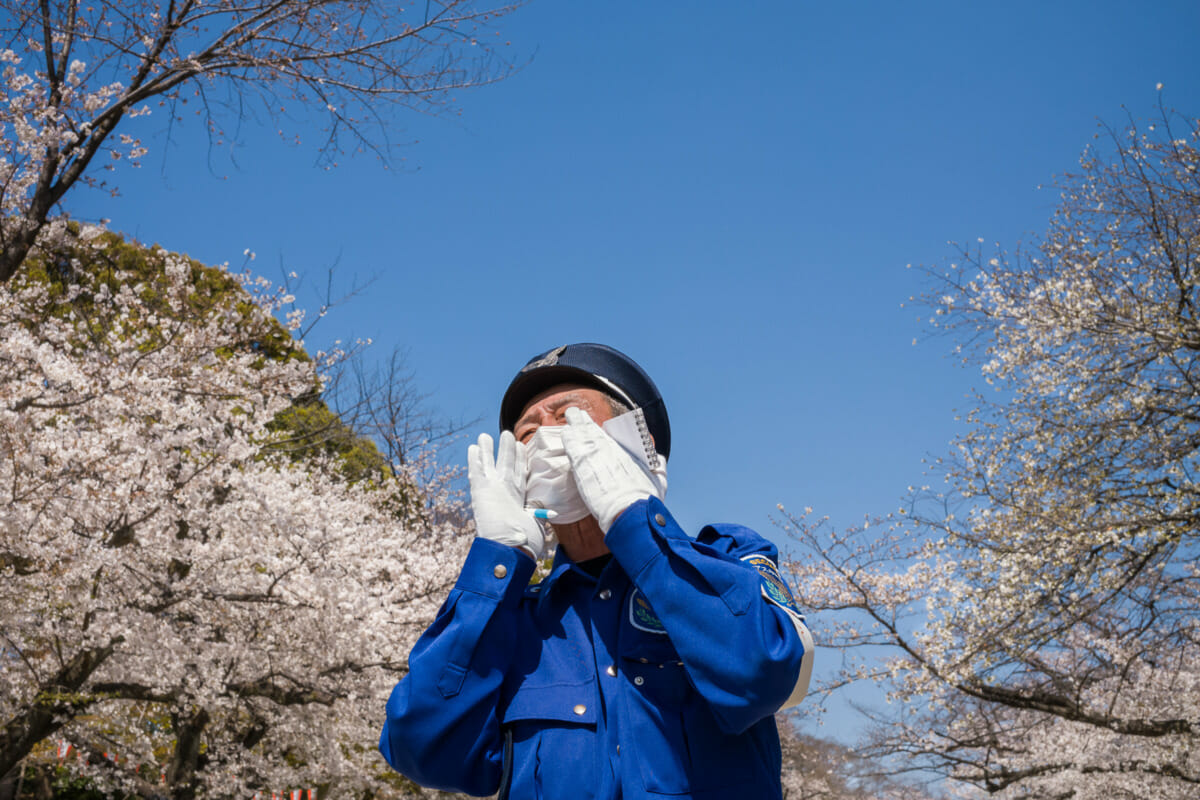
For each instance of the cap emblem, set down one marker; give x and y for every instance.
(548, 360)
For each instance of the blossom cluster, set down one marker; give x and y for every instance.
(171, 587)
(1039, 615)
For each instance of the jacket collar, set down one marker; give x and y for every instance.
(564, 570)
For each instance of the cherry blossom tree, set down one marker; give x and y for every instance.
(216, 614)
(1040, 617)
(76, 75)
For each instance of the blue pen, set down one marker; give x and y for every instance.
(542, 513)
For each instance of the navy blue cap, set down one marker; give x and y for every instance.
(594, 365)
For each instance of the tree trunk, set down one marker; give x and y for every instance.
(55, 705)
(181, 770)
(12, 255)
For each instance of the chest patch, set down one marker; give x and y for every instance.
(774, 588)
(642, 616)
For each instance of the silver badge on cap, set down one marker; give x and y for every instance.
(548, 360)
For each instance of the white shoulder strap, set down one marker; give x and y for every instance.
(776, 591)
(801, 687)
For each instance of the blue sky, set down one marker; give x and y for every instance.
(730, 193)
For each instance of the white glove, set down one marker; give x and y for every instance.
(608, 478)
(498, 494)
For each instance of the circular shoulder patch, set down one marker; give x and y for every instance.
(774, 588)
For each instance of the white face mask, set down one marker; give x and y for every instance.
(551, 485)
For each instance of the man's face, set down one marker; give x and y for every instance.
(549, 408)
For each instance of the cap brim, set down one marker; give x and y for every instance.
(528, 386)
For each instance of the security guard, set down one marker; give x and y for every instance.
(647, 663)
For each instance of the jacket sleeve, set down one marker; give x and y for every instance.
(442, 728)
(731, 618)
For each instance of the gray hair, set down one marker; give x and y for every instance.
(617, 407)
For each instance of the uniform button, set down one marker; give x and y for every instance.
(612, 671)
(618, 749)
(605, 594)
(639, 680)
(660, 519)
(580, 709)
(500, 571)
(644, 660)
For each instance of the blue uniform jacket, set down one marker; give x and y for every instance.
(661, 677)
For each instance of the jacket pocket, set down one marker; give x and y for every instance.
(555, 746)
(652, 734)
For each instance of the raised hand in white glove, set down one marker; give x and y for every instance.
(498, 494)
(608, 478)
